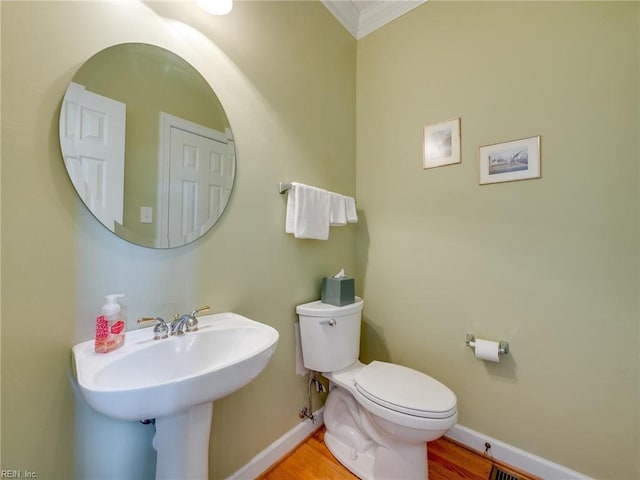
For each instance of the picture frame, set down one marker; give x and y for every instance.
(510, 161)
(441, 144)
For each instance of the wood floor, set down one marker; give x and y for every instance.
(447, 461)
(311, 460)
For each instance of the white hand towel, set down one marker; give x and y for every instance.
(350, 205)
(308, 212)
(338, 210)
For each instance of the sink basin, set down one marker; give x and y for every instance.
(149, 378)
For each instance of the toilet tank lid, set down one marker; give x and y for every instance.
(319, 309)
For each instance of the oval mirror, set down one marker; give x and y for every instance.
(147, 145)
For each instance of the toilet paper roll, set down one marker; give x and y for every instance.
(487, 350)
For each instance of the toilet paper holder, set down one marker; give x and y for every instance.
(503, 346)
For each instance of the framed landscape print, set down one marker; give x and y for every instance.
(510, 161)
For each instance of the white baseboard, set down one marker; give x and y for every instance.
(513, 456)
(475, 440)
(278, 449)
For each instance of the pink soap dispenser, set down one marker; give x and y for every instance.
(110, 325)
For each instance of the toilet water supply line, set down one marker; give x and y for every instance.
(307, 412)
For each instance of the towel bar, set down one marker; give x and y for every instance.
(284, 187)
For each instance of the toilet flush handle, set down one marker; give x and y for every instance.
(331, 323)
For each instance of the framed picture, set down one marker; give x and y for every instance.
(510, 161)
(441, 144)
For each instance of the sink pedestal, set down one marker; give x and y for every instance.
(182, 443)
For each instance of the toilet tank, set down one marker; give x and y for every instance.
(330, 335)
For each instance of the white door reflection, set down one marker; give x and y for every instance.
(196, 172)
(92, 133)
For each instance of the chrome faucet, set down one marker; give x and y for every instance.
(187, 322)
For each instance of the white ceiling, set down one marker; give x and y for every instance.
(361, 17)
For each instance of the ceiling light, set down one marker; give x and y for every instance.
(215, 7)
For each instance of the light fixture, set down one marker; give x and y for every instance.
(215, 7)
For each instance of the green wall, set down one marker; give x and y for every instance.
(285, 73)
(551, 265)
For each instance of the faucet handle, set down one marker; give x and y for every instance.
(192, 321)
(200, 310)
(191, 325)
(160, 331)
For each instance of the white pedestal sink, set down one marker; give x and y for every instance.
(175, 381)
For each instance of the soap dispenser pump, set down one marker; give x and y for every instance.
(110, 325)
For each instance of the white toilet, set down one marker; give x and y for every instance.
(378, 416)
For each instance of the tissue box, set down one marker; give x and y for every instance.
(338, 291)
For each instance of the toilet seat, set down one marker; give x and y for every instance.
(405, 390)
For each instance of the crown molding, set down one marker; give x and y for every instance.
(361, 22)
(346, 13)
(381, 13)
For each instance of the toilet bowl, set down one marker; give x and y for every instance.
(379, 416)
